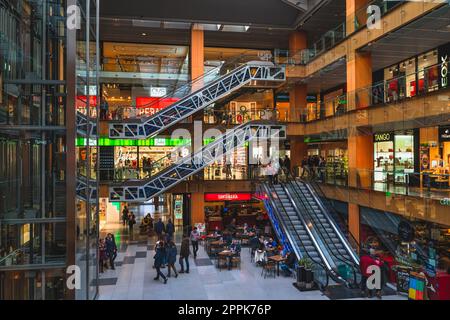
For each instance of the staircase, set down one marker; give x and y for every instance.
(185, 167)
(255, 73)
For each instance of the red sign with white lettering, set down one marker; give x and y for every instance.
(228, 196)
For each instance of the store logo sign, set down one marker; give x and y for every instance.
(158, 92)
(374, 281)
(379, 137)
(74, 279)
(444, 71)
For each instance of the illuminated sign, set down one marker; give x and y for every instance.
(158, 92)
(445, 202)
(150, 105)
(444, 59)
(228, 196)
(444, 134)
(384, 136)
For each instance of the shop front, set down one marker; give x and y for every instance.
(395, 157)
(414, 250)
(435, 157)
(414, 76)
(222, 208)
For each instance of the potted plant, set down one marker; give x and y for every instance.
(308, 275)
(301, 272)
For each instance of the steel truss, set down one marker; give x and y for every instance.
(83, 189)
(199, 99)
(86, 127)
(188, 166)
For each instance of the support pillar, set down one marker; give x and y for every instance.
(356, 15)
(298, 94)
(359, 79)
(354, 221)
(197, 52)
(299, 150)
(197, 208)
(360, 159)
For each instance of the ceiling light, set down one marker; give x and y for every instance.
(143, 33)
(246, 28)
(425, 57)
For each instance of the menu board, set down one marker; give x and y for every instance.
(403, 280)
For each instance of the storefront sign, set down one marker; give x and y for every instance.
(405, 232)
(228, 196)
(402, 280)
(383, 136)
(444, 134)
(178, 207)
(444, 60)
(151, 105)
(158, 92)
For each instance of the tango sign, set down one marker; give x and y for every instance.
(445, 202)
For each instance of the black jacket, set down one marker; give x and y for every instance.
(159, 227)
(170, 228)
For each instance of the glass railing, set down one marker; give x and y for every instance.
(231, 117)
(394, 90)
(431, 184)
(334, 36)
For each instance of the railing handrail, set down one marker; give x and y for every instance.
(319, 263)
(323, 235)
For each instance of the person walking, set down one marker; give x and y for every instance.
(111, 249)
(159, 256)
(102, 257)
(170, 229)
(159, 228)
(304, 167)
(131, 222)
(367, 260)
(287, 165)
(184, 253)
(195, 236)
(171, 251)
(125, 215)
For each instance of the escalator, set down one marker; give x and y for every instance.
(343, 257)
(197, 95)
(292, 231)
(181, 167)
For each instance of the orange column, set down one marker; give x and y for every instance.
(355, 14)
(297, 41)
(197, 208)
(299, 149)
(354, 220)
(359, 80)
(197, 52)
(360, 159)
(297, 102)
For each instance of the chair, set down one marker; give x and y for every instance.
(236, 261)
(268, 268)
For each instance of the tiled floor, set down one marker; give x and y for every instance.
(133, 277)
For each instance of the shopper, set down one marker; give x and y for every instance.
(305, 168)
(184, 253)
(287, 165)
(170, 229)
(125, 213)
(289, 264)
(111, 249)
(367, 260)
(131, 222)
(171, 253)
(159, 257)
(159, 228)
(102, 257)
(195, 236)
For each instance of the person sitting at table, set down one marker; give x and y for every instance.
(271, 243)
(227, 238)
(260, 255)
(288, 264)
(217, 232)
(235, 247)
(251, 229)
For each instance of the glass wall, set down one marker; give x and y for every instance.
(32, 149)
(86, 203)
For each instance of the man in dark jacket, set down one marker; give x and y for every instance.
(159, 228)
(170, 229)
(171, 251)
(111, 249)
(184, 253)
(159, 257)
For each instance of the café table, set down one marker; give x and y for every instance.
(277, 259)
(226, 254)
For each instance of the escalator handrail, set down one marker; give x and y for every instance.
(336, 276)
(319, 263)
(328, 242)
(333, 225)
(317, 189)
